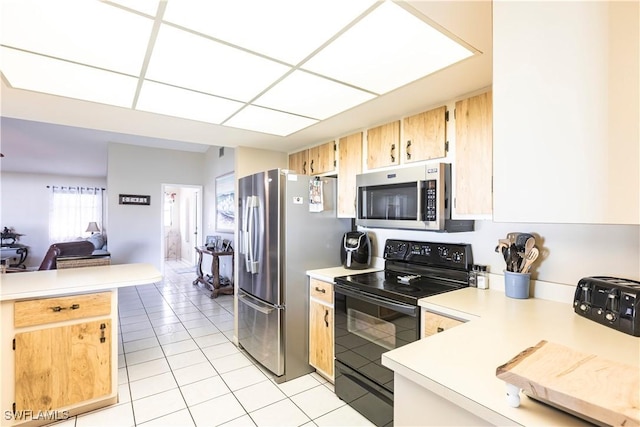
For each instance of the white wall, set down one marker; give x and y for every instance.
(569, 251)
(136, 231)
(215, 166)
(25, 207)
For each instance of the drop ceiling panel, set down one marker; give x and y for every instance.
(42, 74)
(269, 121)
(164, 99)
(312, 96)
(88, 32)
(387, 49)
(287, 30)
(184, 59)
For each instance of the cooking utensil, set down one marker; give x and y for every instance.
(514, 259)
(502, 243)
(531, 242)
(531, 257)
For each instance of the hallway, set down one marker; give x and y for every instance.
(179, 367)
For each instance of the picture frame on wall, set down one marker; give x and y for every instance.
(225, 203)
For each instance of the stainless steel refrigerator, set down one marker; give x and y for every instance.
(287, 225)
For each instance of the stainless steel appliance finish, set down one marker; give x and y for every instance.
(280, 239)
(418, 197)
(377, 312)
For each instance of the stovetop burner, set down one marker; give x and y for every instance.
(415, 270)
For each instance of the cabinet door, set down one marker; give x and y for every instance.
(425, 135)
(383, 145)
(349, 165)
(474, 154)
(299, 162)
(321, 338)
(436, 323)
(322, 158)
(58, 367)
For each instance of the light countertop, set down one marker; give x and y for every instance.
(34, 284)
(460, 363)
(328, 274)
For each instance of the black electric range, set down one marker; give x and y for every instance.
(378, 311)
(415, 270)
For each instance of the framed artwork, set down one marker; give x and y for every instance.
(225, 202)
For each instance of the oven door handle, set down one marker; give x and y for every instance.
(410, 310)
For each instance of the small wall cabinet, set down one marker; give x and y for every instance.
(383, 145)
(322, 158)
(299, 162)
(321, 345)
(474, 153)
(349, 165)
(424, 135)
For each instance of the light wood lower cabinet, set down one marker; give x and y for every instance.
(433, 323)
(59, 367)
(321, 346)
(59, 356)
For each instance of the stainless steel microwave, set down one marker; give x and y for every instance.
(417, 197)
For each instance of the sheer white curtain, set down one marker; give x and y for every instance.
(71, 209)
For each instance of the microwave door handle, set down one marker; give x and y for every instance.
(420, 190)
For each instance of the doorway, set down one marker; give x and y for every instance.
(181, 225)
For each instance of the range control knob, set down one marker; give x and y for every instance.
(584, 307)
(610, 316)
(457, 256)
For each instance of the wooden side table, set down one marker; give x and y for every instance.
(214, 284)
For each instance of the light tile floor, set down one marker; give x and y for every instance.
(178, 366)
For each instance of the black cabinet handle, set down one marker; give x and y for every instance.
(408, 152)
(440, 329)
(304, 167)
(320, 290)
(393, 148)
(311, 166)
(326, 317)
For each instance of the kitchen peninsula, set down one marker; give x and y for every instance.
(455, 371)
(58, 351)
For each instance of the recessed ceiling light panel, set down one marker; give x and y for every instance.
(172, 101)
(387, 49)
(287, 30)
(148, 7)
(43, 74)
(184, 59)
(312, 96)
(88, 32)
(269, 121)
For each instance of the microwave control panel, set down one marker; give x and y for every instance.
(431, 201)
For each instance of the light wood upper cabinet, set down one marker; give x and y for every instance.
(474, 154)
(299, 162)
(424, 135)
(322, 158)
(383, 145)
(349, 165)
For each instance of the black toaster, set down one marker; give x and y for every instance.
(610, 301)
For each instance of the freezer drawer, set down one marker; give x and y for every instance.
(260, 331)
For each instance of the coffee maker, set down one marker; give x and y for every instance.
(356, 250)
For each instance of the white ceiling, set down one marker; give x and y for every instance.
(88, 126)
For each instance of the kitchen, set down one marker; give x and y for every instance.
(557, 220)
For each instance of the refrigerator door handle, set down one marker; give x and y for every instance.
(253, 262)
(246, 299)
(245, 236)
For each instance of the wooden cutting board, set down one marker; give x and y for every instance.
(586, 385)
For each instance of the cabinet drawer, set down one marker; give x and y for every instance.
(50, 310)
(321, 290)
(435, 323)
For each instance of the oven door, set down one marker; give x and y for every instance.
(366, 326)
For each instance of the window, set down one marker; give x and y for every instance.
(71, 209)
